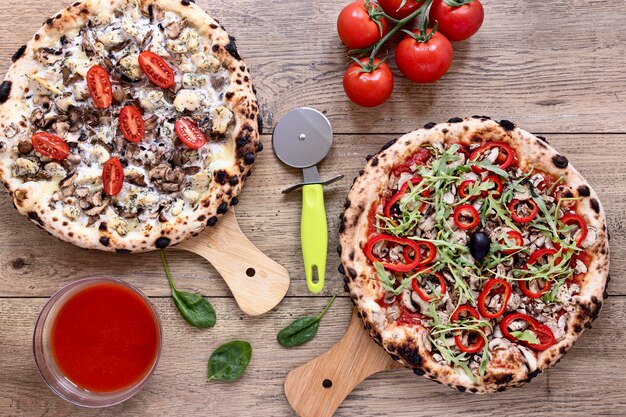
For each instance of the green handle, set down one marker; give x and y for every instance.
(314, 235)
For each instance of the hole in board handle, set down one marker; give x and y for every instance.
(250, 272)
(327, 383)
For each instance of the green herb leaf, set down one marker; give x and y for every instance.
(194, 308)
(229, 361)
(303, 329)
(526, 336)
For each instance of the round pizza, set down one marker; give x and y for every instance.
(474, 252)
(127, 125)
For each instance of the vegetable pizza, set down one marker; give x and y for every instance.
(474, 252)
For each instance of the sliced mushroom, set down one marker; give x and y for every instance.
(173, 29)
(24, 147)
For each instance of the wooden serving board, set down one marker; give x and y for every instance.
(317, 388)
(258, 283)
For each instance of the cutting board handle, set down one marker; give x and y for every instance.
(317, 388)
(257, 282)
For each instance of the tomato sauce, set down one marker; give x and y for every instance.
(105, 338)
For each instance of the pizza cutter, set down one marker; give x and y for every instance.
(302, 138)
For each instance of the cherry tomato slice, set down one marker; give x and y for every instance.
(50, 145)
(573, 218)
(466, 216)
(113, 176)
(515, 236)
(189, 133)
(156, 69)
(131, 124)
(99, 86)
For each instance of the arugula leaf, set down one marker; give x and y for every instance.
(194, 308)
(526, 336)
(484, 164)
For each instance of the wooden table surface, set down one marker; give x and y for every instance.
(556, 68)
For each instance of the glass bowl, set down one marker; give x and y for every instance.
(48, 368)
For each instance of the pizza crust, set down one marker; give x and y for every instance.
(240, 151)
(407, 345)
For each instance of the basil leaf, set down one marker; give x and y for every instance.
(229, 361)
(526, 336)
(194, 308)
(303, 329)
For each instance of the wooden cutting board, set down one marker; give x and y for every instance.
(258, 283)
(317, 388)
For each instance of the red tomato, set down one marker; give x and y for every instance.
(113, 176)
(357, 29)
(457, 23)
(424, 62)
(157, 70)
(99, 87)
(368, 89)
(189, 133)
(395, 9)
(50, 145)
(131, 124)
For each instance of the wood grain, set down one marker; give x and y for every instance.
(549, 65)
(589, 380)
(35, 264)
(247, 271)
(553, 66)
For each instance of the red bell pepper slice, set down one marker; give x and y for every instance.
(397, 196)
(466, 216)
(463, 189)
(431, 252)
(534, 257)
(515, 203)
(420, 291)
(517, 237)
(503, 161)
(499, 186)
(573, 218)
(543, 332)
(393, 266)
(494, 286)
(479, 343)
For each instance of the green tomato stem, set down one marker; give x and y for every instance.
(399, 25)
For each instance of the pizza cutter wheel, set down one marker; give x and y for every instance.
(302, 138)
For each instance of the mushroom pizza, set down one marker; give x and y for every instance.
(127, 125)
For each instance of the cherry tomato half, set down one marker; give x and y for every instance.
(99, 86)
(368, 89)
(397, 10)
(50, 145)
(113, 176)
(131, 124)
(457, 23)
(156, 69)
(356, 28)
(424, 62)
(189, 133)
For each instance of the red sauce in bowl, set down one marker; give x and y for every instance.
(105, 337)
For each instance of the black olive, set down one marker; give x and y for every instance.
(479, 245)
